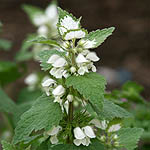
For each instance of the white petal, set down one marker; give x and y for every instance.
(85, 52)
(86, 141)
(40, 19)
(77, 142)
(54, 130)
(54, 140)
(89, 132)
(81, 71)
(59, 90)
(78, 133)
(81, 59)
(92, 56)
(43, 30)
(60, 62)
(31, 79)
(53, 59)
(87, 43)
(94, 68)
(66, 105)
(114, 128)
(74, 35)
(57, 72)
(51, 12)
(48, 82)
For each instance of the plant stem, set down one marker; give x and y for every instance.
(70, 114)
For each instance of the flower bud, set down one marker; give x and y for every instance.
(66, 44)
(73, 69)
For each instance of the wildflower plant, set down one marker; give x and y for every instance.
(55, 121)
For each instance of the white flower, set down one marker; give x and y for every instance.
(68, 23)
(61, 62)
(78, 133)
(89, 132)
(57, 61)
(54, 130)
(92, 56)
(40, 19)
(100, 124)
(59, 90)
(54, 139)
(48, 82)
(51, 12)
(74, 35)
(87, 43)
(31, 79)
(57, 72)
(53, 133)
(114, 128)
(82, 136)
(81, 59)
(82, 70)
(66, 106)
(93, 68)
(53, 58)
(85, 141)
(43, 30)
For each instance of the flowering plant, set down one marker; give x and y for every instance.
(72, 113)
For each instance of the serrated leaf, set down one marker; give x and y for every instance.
(95, 145)
(111, 111)
(43, 115)
(7, 146)
(6, 104)
(44, 40)
(45, 55)
(91, 86)
(5, 44)
(32, 12)
(129, 137)
(97, 37)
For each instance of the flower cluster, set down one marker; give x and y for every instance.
(46, 21)
(83, 135)
(109, 137)
(53, 133)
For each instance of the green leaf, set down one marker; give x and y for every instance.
(5, 44)
(26, 95)
(24, 53)
(43, 115)
(32, 12)
(6, 104)
(129, 137)
(91, 86)
(95, 145)
(130, 84)
(7, 146)
(98, 36)
(111, 111)
(45, 55)
(9, 72)
(44, 40)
